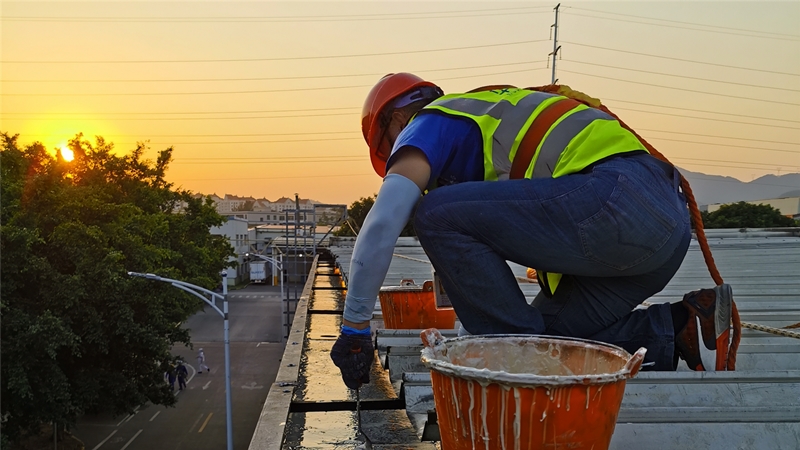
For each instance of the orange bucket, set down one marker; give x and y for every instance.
(409, 306)
(526, 392)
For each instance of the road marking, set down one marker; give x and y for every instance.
(123, 420)
(130, 417)
(195, 423)
(129, 442)
(252, 386)
(206, 385)
(202, 427)
(104, 440)
(154, 415)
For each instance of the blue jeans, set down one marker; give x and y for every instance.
(618, 231)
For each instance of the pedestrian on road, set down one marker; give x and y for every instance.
(539, 179)
(182, 373)
(171, 377)
(201, 362)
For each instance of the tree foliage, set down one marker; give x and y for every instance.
(246, 206)
(746, 215)
(357, 213)
(78, 334)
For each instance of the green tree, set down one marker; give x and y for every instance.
(746, 215)
(357, 212)
(246, 206)
(78, 334)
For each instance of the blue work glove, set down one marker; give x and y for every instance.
(353, 353)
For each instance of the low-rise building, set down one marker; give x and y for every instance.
(235, 230)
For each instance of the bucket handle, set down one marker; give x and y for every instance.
(635, 363)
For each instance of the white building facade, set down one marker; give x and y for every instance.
(235, 230)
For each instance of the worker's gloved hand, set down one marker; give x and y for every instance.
(353, 353)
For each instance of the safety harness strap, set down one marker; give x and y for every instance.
(535, 134)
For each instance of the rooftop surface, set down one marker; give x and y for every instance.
(754, 407)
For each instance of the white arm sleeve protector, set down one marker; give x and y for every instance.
(374, 246)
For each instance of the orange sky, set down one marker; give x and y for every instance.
(264, 98)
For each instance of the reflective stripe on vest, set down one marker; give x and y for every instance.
(504, 116)
(554, 143)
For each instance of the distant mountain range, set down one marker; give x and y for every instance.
(710, 189)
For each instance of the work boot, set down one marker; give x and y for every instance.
(713, 309)
(687, 344)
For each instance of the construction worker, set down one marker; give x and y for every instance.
(580, 199)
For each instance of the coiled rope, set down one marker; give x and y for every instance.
(777, 331)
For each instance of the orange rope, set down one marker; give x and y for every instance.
(697, 219)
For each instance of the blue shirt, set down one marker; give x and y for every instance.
(452, 145)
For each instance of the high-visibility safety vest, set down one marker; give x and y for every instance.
(575, 140)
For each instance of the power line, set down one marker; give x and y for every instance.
(302, 18)
(706, 111)
(260, 142)
(730, 166)
(289, 58)
(684, 28)
(258, 158)
(274, 178)
(374, 74)
(265, 111)
(717, 136)
(685, 76)
(681, 59)
(221, 135)
(354, 132)
(708, 118)
(267, 91)
(737, 167)
(684, 89)
(353, 109)
(685, 23)
(725, 145)
(185, 118)
(343, 114)
(350, 158)
(273, 162)
(252, 142)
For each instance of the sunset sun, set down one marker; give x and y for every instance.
(67, 154)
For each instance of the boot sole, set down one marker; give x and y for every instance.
(722, 324)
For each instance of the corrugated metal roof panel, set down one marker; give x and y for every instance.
(762, 266)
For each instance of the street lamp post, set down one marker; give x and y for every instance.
(278, 263)
(198, 292)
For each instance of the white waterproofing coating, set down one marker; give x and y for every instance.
(412, 288)
(526, 360)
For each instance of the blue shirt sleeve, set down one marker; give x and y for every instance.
(452, 145)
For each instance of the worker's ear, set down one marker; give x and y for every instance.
(403, 115)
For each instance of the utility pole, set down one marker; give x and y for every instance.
(556, 47)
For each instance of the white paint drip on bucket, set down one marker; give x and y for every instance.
(500, 364)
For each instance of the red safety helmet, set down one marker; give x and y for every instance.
(383, 94)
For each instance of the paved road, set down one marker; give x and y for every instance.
(198, 421)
